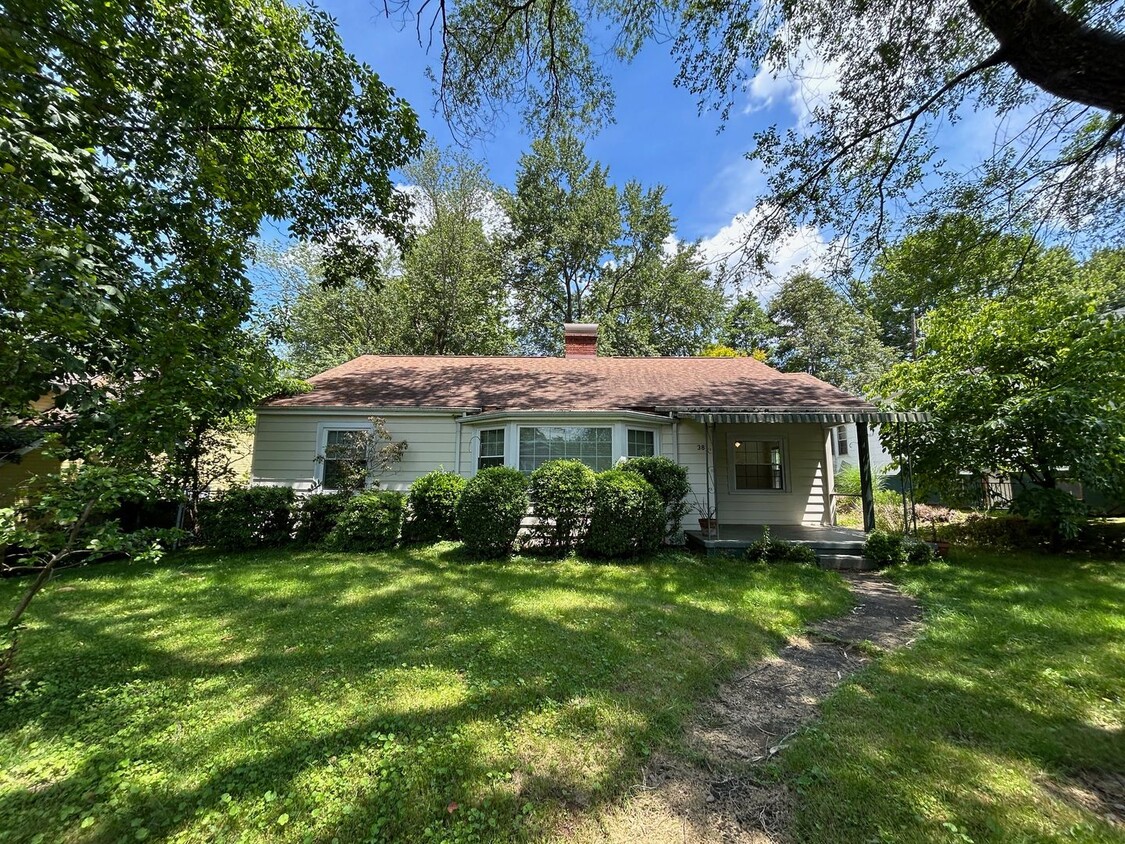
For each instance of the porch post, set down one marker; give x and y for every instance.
(868, 493)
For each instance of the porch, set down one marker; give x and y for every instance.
(756, 467)
(835, 547)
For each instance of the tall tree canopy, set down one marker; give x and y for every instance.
(446, 295)
(956, 258)
(141, 146)
(1029, 383)
(1052, 73)
(822, 333)
(587, 251)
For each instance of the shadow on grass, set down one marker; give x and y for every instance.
(1017, 679)
(312, 696)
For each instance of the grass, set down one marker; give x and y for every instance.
(1017, 686)
(403, 696)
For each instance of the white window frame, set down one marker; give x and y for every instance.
(322, 429)
(612, 427)
(655, 440)
(842, 430)
(786, 480)
(503, 429)
(619, 436)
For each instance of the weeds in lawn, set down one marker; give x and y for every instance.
(404, 695)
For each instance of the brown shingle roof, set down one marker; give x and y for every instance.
(527, 383)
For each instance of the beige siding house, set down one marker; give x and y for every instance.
(756, 442)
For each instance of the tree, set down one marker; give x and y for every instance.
(69, 518)
(451, 293)
(142, 145)
(868, 148)
(446, 296)
(747, 327)
(956, 258)
(1029, 383)
(588, 252)
(822, 333)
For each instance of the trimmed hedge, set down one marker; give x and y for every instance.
(562, 494)
(491, 509)
(371, 521)
(627, 517)
(242, 518)
(433, 507)
(670, 481)
(317, 516)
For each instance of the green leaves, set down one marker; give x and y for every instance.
(1030, 383)
(587, 251)
(136, 175)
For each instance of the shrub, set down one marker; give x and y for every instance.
(1055, 511)
(884, 549)
(1003, 533)
(562, 493)
(371, 521)
(766, 549)
(317, 516)
(490, 511)
(670, 481)
(918, 553)
(433, 507)
(627, 518)
(240, 518)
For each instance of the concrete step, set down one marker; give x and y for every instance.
(845, 562)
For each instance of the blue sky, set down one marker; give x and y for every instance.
(658, 137)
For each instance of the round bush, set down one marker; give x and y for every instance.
(371, 521)
(918, 553)
(433, 507)
(670, 481)
(317, 516)
(562, 492)
(884, 549)
(241, 518)
(627, 518)
(490, 511)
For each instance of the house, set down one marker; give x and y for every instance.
(845, 449)
(756, 442)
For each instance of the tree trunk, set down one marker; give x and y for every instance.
(1057, 52)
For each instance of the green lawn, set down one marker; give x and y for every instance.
(404, 696)
(1020, 678)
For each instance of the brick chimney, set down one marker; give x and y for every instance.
(581, 339)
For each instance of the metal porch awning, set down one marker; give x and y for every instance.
(780, 415)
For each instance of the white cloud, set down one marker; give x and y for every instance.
(805, 84)
(492, 217)
(805, 249)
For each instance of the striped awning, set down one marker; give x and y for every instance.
(823, 417)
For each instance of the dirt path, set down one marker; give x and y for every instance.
(718, 797)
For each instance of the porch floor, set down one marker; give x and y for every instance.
(823, 539)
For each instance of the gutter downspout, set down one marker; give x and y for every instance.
(457, 446)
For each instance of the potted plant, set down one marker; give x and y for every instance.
(708, 520)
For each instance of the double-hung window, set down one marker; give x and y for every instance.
(639, 443)
(842, 441)
(592, 445)
(345, 458)
(491, 449)
(757, 465)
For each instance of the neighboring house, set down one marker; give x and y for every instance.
(24, 459)
(757, 443)
(845, 449)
